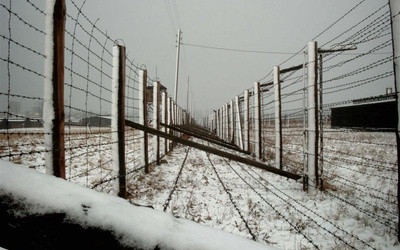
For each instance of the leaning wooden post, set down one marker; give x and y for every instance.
(156, 119)
(278, 119)
(312, 161)
(143, 119)
(118, 120)
(53, 106)
(246, 110)
(395, 25)
(257, 120)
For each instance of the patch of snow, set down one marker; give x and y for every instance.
(143, 227)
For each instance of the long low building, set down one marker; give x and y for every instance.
(374, 113)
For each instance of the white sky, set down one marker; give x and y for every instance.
(216, 76)
(148, 29)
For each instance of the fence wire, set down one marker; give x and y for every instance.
(87, 94)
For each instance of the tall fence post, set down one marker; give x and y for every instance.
(238, 122)
(156, 119)
(257, 120)
(215, 123)
(232, 121)
(312, 159)
(219, 123)
(228, 127)
(395, 25)
(223, 117)
(246, 110)
(118, 119)
(53, 106)
(278, 119)
(164, 117)
(169, 121)
(143, 119)
(224, 122)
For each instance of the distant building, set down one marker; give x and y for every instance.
(20, 123)
(375, 112)
(15, 107)
(96, 121)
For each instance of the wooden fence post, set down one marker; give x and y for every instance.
(118, 120)
(156, 119)
(246, 110)
(53, 106)
(143, 119)
(257, 120)
(395, 25)
(312, 159)
(278, 119)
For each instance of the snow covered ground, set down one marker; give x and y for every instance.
(138, 227)
(358, 209)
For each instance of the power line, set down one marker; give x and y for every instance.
(171, 20)
(177, 13)
(238, 50)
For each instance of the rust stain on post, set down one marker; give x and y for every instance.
(121, 123)
(58, 86)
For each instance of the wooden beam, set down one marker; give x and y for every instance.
(205, 138)
(214, 151)
(294, 68)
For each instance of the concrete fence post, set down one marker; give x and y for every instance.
(278, 119)
(395, 25)
(156, 119)
(246, 111)
(232, 122)
(118, 119)
(53, 105)
(143, 120)
(238, 125)
(312, 131)
(169, 121)
(257, 120)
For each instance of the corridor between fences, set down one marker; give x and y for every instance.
(324, 121)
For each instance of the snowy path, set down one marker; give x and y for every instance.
(359, 211)
(258, 205)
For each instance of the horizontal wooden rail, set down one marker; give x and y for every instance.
(205, 138)
(213, 151)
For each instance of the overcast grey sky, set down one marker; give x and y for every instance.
(148, 29)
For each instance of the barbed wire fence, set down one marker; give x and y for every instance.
(88, 75)
(354, 109)
(360, 161)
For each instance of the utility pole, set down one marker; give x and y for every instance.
(187, 96)
(191, 112)
(177, 66)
